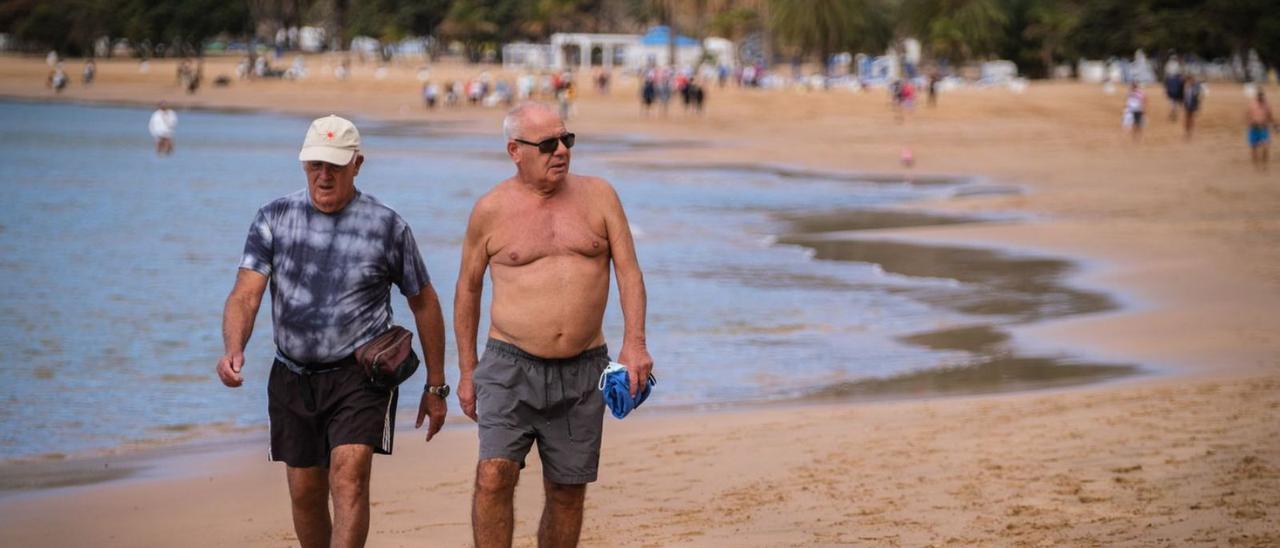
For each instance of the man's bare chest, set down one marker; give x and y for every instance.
(524, 237)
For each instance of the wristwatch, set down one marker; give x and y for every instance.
(442, 390)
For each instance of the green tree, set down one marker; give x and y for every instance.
(825, 27)
(483, 25)
(184, 26)
(68, 26)
(268, 16)
(394, 20)
(546, 17)
(1051, 23)
(734, 23)
(956, 30)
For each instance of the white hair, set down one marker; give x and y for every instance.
(513, 123)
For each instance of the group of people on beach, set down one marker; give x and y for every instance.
(58, 79)
(657, 85)
(1186, 95)
(485, 90)
(331, 252)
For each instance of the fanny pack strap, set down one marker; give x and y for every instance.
(290, 364)
(304, 377)
(300, 369)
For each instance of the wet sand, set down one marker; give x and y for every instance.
(1184, 233)
(1004, 290)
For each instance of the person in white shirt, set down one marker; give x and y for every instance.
(1135, 107)
(163, 121)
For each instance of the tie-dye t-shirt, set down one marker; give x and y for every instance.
(331, 274)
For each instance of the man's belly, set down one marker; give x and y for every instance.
(551, 308)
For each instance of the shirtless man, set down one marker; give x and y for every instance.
(548, 237)
(1260, 121)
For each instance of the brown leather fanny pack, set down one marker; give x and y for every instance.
(388, 359)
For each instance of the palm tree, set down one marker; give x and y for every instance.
(956, 29)
(824, 27)
(1052, 23)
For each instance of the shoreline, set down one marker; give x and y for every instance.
(995, 368)
(1188, 456)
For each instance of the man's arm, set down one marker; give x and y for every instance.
(466, 305)
(631, 292)
(430, 322)
(238, 315)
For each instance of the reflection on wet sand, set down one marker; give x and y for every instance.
(801, 173)
(993, 283)
(1005, 289)
(986, 374)
(55, 471)
(863, 219)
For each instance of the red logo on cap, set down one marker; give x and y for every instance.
(330, 135)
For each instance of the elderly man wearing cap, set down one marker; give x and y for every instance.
(331, 254)
(548, 238)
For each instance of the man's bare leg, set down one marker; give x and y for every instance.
(349, 469)
(562, 515)
(493, 507)
(309, 493)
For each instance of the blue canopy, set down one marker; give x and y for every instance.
(658, 36)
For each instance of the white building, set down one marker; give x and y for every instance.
(569, 51)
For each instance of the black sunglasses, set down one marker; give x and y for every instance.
(548, 146)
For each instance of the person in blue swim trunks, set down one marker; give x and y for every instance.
(548, 238)
(1261, 121)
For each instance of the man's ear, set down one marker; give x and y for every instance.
(512, 150)
(359, 162)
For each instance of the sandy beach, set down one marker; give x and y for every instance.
(1182, 233)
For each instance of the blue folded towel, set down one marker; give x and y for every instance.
(616, 386)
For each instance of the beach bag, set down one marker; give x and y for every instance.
(388, 359)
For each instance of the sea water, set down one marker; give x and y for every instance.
(115, 264)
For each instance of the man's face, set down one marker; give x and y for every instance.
(332, 186)
(531, 163)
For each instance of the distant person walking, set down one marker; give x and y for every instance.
(163, 123)
(1135, 106)
(1174, 86)
(90, 70)
(648, 91)
(904, 99)
(1192, 95)
(430, 94)
(664, 89)
(565, 96)
(1261, 121)
(57, 78)
(331, 254)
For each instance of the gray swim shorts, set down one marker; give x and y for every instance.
(522, 398)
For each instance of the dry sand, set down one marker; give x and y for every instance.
(1184, 232)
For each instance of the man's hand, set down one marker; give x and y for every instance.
(431, 405)
(467, 397)
(229, 369)
(639, 365)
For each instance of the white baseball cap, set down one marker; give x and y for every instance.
(331, 139)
